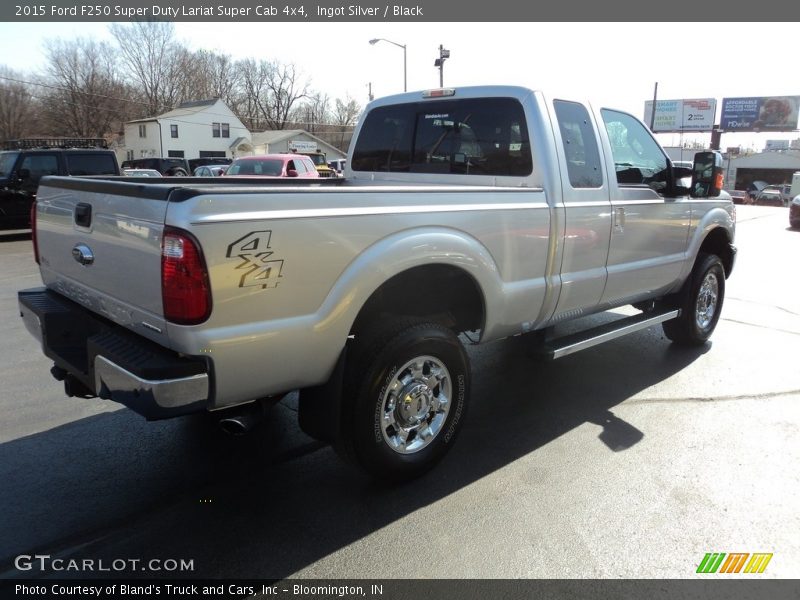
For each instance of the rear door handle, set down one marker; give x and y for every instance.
(619, 219)
(83, 214)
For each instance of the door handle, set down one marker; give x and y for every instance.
(619, 219)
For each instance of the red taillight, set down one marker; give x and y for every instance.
(185, 290)
(33, 233)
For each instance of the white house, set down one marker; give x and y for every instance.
(199, 129)
(286, 140)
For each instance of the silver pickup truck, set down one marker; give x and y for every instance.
(495, 211)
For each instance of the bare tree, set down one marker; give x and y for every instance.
(83, 95)
(156, 61)
(345, 115)
(345, 112)
(270, 91)
(314, 113)
(16, 111)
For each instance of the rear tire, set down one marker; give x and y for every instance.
(405, 398)
(700, 302)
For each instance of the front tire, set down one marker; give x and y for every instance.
(405, 398)
(700, 302)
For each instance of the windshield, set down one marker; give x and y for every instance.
(256, 167)
(318, 159)
(7, 160)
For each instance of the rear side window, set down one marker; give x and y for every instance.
(580, 145)
(486, 136)
(91, 164)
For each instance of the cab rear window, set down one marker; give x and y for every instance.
(486, 136)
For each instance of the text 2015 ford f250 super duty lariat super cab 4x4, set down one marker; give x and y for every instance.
(496, 210)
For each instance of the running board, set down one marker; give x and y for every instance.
(559, 347)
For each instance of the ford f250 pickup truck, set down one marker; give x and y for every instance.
(492, 210)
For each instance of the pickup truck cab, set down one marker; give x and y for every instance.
(496, 211)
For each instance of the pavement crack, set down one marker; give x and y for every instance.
(786, 310)
(768, 328)
(726, 398)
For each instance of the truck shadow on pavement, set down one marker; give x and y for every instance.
(275, 502)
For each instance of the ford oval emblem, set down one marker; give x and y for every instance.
(83, 254)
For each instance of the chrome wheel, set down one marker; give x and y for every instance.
(415, 404)
(706, 304)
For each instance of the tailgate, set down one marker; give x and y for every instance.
(100, 246)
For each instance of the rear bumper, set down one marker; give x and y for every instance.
(111, 362)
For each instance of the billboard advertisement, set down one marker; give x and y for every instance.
(672, 116)
(764, 113)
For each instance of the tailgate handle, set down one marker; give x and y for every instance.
(83, 214)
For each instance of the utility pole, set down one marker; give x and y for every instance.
(439, 62)
(653, 113)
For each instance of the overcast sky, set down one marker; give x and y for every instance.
(610, 64)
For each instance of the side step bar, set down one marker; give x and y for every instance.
(559, 347)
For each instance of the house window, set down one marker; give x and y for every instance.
(215, 129)
(142, 130)
(129, 155)
(226, 130)
(175, 154)
(173, 130)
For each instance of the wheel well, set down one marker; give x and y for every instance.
(717, 242)
(440, 293)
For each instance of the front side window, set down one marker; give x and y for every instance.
(7, 160)
(638, 159)
(580, 145)
(486, 136)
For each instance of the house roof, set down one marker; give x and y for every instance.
(188, 108)
(182, 110)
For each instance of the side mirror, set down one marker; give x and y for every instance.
(291, 173)
(707, 175)
(23, 174)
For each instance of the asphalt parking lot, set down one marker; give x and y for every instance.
(633, 459)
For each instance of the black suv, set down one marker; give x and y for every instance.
(169, 167)
(23, 167)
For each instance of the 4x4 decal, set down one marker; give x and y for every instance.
(257, 266)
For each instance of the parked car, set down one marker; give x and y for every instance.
(739, 196)
(169, 167)
(786, 193)
(770, 196)
(754, 188)
(141, 173)
(210, 170)
(208, 160)
(21, 169)
(338, 165)
(794, 213)
(273, 165)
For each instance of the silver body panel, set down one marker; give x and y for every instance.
(291, 267)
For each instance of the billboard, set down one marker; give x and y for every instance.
(695, 114)
(764, 113)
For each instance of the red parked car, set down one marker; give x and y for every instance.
(273, 165)
(739, 196)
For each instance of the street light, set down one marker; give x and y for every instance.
(376, 40)
(439, 62)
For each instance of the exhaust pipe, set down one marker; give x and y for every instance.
(243, 419)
